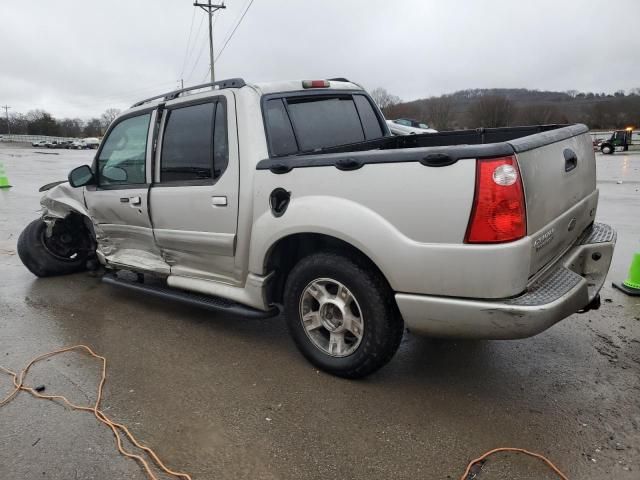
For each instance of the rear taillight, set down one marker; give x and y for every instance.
(498, 214)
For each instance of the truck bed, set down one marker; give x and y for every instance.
(432, 205)
(478, 143)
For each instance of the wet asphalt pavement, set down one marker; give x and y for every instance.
(227, 398)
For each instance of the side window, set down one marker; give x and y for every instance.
(368, 117)
(187, 144)
(220, 141)
(122, 158)
(281, 137)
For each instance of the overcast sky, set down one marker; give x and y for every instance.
(77, 58)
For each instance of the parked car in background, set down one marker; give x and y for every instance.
(406, 126)
(39, 144)
(294, 197)
(78, 145)
(57, 144)
(91, 142)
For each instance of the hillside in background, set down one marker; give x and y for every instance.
(498, 107)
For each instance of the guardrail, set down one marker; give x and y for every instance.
(33, 138)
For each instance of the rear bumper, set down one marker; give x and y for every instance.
(564, 288)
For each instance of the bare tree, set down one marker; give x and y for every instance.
(384, 99)
(539, 114)
(93, 128)
(109, 116)
(41, 123)
(492, 111)
(438, 112)
(70, 127)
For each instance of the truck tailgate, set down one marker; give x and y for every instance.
(558, 171)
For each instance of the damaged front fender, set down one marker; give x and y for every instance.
(61, 200)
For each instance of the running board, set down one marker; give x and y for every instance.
(216, 304)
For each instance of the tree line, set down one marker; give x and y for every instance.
(503, 107)
(40, 122)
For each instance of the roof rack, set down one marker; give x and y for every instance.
(228, 83)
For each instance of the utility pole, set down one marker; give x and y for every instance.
(210, 9)
(6, 112)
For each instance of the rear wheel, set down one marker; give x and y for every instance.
(342, 315)
(65, 251)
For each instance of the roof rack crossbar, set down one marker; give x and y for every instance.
(228, 83)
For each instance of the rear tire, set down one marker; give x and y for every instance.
(352, 326)
(41, 259)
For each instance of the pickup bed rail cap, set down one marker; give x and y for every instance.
(389, 150)
(524, 144)
(428, 156)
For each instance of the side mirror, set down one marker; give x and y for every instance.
(81, 176)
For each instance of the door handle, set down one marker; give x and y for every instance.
(135, 200)
(570, 160)
(219, 201)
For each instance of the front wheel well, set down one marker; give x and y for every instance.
(288, 251)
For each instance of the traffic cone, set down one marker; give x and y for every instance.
(631, 286)
(4, 180)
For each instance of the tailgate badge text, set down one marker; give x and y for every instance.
(544, 239)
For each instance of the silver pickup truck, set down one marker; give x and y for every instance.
(293, 197)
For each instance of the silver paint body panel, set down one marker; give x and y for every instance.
(409, 219)
(511, 318)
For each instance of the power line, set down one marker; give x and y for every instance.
(197, 62)
(234, 31)
(186, 52)
(195, 43)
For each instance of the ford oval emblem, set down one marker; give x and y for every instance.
(572, 223)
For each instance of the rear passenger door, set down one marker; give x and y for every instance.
(194, 198)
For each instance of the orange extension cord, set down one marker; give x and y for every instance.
(18, 382)
(510, 449)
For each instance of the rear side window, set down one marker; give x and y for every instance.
(220, 141)
(195, 144)
(304, 124)
(187, 152)
(281, 137)
(368, 117)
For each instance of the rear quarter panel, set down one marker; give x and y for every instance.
(410, 220)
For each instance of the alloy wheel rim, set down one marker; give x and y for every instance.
(331, 317)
